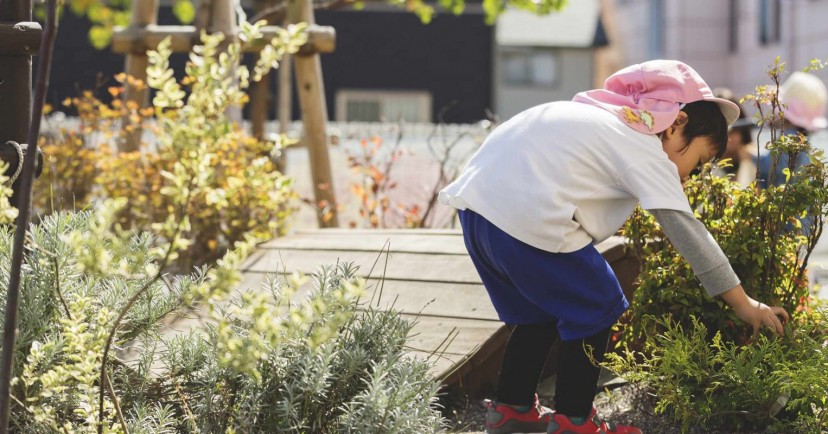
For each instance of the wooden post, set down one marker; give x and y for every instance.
(314, 118)
(223, 20)
(144, 14)
(202, 19)
(19, 41)
(285, 109)
(15, 77)
(260, 90)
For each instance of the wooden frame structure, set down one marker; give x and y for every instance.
(20, 39)
(219, 16)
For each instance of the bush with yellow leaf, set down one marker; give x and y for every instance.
(247, 195)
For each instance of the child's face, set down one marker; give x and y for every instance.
(700, 150)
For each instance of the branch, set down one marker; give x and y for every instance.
(128, 306)
(277, 13)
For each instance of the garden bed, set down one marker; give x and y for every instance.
(628, 404)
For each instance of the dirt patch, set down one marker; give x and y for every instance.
(626, 405)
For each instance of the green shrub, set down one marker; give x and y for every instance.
(354, 379)
(759, 230)
(64, 318)
(244, 193)
(702, 362)
(266, 363)
(93, 285)
(718, 384)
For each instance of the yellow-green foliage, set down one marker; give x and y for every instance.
(703, 364)
(774, 384)
(266, 363)
(244, 194)
(767, 234)
(105, 15)
(758, 230)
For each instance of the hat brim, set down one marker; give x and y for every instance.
(729, 109)
(809, 123)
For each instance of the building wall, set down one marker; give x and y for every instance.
(450, 59)
(574, 74)
(699, 33)
(545, 58)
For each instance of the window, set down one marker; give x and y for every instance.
(656, 43)
(733, 22)
(530, 67)
(379, 106)
(769, 21)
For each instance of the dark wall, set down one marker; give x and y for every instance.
(450, 57)
(77, 66)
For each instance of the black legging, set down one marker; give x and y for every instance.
(577, 377)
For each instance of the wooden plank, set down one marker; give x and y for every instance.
(451, 300)
(454, 337)
(454, 300)
(20, 39)
(440, 292)
(612, 249)
(426, 232)
(401, 266)
(451, 339)
(252, 259)
(424, 266)
(412, 242)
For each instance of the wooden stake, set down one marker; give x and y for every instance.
(144, 13)
(285, 109)
(260, 91)
(223, 20)
(15, 79)
(314, 118)
(285, 93)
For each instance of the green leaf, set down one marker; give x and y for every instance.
(100, 36)
(184, 11)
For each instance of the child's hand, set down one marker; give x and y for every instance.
(755, 313)
(758, 314)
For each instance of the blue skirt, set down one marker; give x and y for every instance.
(578, 290)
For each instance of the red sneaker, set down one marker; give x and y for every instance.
(504, 419)
(561, 424)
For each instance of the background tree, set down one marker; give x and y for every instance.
(106, 14)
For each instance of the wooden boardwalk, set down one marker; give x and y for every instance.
(429, 279)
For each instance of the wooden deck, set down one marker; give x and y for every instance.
(429, 278)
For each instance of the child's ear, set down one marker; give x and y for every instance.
(678, 124)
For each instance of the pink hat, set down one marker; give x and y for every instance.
(648, 96)
(804, 97)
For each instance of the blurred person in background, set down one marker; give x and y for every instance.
(803, 97)
(740, 147)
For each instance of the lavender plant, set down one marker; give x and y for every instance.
(267, 363)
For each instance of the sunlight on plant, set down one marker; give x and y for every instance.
(692, 350)
(99, 283)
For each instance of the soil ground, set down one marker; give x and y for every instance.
(626, 405)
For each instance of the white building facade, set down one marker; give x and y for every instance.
(729, 42)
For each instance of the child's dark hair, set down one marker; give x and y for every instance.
(705, 119)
